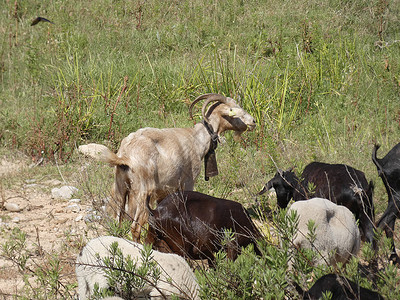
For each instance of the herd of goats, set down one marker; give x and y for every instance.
(155, 173)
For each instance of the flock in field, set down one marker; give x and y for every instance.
(155, 173)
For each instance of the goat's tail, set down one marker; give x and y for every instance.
(374, 158)
(102, 153)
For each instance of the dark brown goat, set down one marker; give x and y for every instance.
(194, 225)
(340, 287)
(389, 171)
(339, 183)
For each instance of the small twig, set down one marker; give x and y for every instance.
(58, 168)
(39, 247)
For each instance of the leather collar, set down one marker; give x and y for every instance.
(210, 161)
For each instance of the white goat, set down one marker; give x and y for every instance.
(156, 162)
(176, 276)
(337, 237)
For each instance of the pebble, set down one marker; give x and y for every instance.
(74, 207)
(74, 200)
(31, 185)
(12, 207)
(15, 220)
(78, 218)
(89, 218)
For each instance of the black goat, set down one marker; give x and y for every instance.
(340, 287)
(339, 183)
(192, 224)
(389, 171)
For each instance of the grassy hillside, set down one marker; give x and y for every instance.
(321, 79)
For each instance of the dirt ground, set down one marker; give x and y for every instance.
(54, 228)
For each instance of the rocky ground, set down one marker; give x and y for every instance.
(56, 223)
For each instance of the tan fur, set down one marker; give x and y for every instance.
(157, 162)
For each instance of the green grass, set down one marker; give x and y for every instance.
(321, 79)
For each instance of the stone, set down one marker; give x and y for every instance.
(93, 150)
(74, 207)
(64, 192)
(89, 218)
(13, 207)
(74, 201)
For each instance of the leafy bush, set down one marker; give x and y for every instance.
(125, 278)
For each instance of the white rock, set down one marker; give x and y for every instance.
(12, 207)
(64, 192)
(15, 220)
(93, 150)
(78, 218)
(74, 207)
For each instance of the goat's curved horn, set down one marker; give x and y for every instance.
(210, 98)
(215, 97)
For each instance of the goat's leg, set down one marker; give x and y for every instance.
(112, 206)
(136, 229)
(122, 194)
(211, 261)
(231, 252)
(367, 227)
(387, 222)
(162, 246)
(187, 185)
(140, 218)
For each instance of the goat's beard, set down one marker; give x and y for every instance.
(237, 136)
